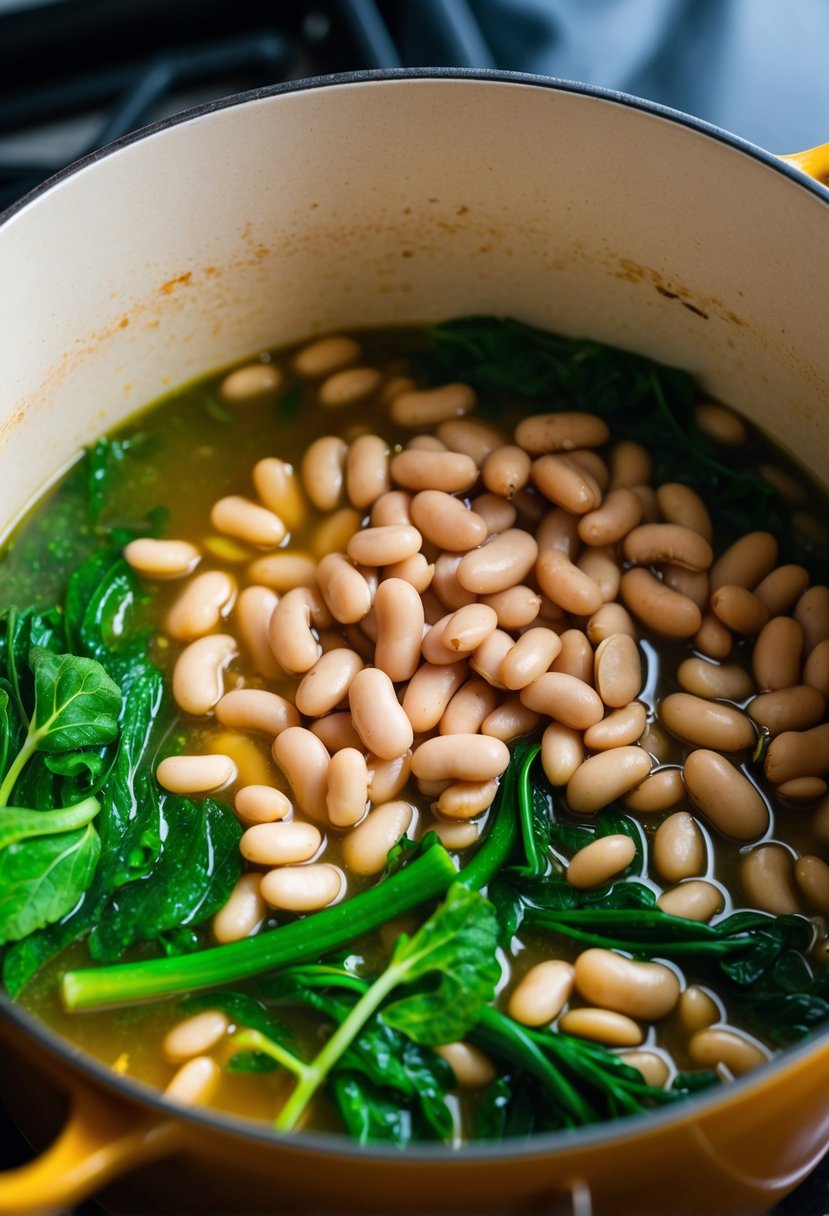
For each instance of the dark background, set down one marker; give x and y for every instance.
(75, 74)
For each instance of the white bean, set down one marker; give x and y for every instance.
(243, 914)
(366, 847)
(542, 993)
(201, 605)
(195, 1035)
(647, 991)
(378, 717)
(198, 673)
(302, 888)
(161, 559)
(279, 844)
(256, 709)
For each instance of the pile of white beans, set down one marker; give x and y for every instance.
(466, 588)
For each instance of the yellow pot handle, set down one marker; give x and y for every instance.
(101, 1139)
(814, 162)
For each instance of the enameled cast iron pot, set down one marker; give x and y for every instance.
(385, 199)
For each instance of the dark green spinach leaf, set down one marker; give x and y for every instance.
(197, 868)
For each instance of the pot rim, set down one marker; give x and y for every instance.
(387, 75)
(631, 1127)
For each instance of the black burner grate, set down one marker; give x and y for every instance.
(77, 74)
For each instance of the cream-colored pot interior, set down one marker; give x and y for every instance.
(373, 201)
(377, 202)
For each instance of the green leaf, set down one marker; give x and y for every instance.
(131, 824)
(695, 1082)
(42, 880)
(457, 944)
(22, 631)
(81, 589)
(508, 904)
(105, 609)
(191, 880)
(77, 764)
(568, 838)
(400, 1074)
(490, 1119)
(369, 1115)
(76, 703)
(37, 785)
(417, 1077)
(103, 461)
(130, 827)
(621, 895)
(251, 1061)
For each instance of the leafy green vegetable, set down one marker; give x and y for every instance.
(490, 1119)
(103, 461)
(22, 631)
(368, 1114)
(459, 939)
(458, 946)
(583, 1081)
(76, 703)
(165, 864)
(48, 856)
(425, 879)
(105, 608)
(130, 828)
(196, 870)
(381, 1059)
(42, 879)
(76, 706)
(131, 822)
(641, 399)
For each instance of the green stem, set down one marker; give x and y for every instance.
(315, 1073)
(665, 948)
(17, 765)
(254, 1040)
(306, 940)
(590, 1070)
(503, 831)
(536, 861)
(640, 920)
(20, 823)
(503, 1037)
